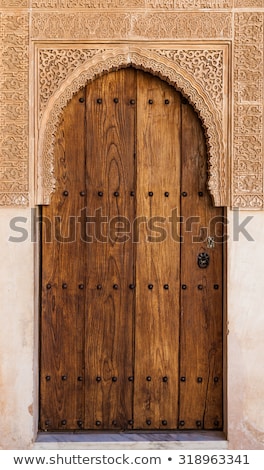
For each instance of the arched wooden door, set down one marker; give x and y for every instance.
(132, 276)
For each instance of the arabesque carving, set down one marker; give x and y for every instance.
(193, 25)
(14, 138)
(205, 65)
(55, 65)
(249, 3)
(105, 4)
(248, 111)
(171, 69)
(78, 36)
(158, 25)
(14, 3)
(207, 68)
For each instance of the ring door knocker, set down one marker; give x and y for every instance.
(203, 260)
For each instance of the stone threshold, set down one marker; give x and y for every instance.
(129, 440)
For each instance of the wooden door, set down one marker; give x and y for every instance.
(131, 311)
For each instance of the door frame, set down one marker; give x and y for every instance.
(224, 342)
(189, 86)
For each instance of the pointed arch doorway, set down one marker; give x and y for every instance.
(132, 265)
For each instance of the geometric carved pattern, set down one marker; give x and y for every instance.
(248, 111)
(197, 74)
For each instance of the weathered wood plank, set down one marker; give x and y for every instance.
(62, 318)
(110, 310)
(201, 301)
(157, 255)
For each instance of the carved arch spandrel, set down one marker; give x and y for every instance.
(158, 64)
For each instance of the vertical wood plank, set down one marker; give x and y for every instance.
(201, 300)
(63, 270)
(109, 310)
(157, 255)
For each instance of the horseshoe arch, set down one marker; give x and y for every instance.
(151, 61)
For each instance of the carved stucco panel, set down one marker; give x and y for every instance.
(14, 151)
(55, 20)
(80, 25)
(92, 4)
(249, 4)
(205, 65)
(125, 4)
(182, 25)
(248, 111)
(162, 4)
(126, 25)
(54, 67)
(176, 67)
(14, 3)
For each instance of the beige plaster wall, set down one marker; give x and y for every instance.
(18, 353)
(245, 348)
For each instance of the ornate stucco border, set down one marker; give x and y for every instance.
(248, 111)
(14, 108)
(199, 72)
(25, 24)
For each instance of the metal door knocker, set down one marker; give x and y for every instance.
(203, 260)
